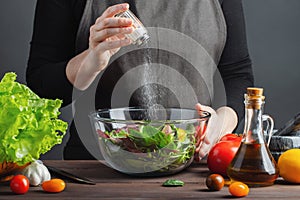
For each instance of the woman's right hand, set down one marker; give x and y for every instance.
(107, 36)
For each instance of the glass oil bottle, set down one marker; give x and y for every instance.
(253, 163)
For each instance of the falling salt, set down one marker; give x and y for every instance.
(150, 92)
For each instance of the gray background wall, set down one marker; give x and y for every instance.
(273, 37)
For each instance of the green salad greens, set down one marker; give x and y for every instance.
(148, 148)
(29, 125)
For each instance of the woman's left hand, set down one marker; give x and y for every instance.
(222, 121)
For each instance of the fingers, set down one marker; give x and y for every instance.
(113, 10)
(107, 27)
(200, 107)
(203, 151)
(113, 22)
(113, 44)
(100, 36)
(205, 139)
(201, 136)
(201, 143)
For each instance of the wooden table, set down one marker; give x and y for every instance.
(114, 185)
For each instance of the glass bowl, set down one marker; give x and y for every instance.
(148, 142)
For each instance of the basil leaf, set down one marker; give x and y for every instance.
(173, 183)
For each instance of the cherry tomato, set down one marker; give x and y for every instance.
(19, 184)
(238, 189)
(220, 156)
(215, 182)
(231, 137)
(54, 185)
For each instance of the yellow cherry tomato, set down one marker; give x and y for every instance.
(54, 185)
(238, 189)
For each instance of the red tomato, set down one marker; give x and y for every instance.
(231, 137)
(220, 156)
(19, 184)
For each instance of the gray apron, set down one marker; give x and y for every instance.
(175, 69)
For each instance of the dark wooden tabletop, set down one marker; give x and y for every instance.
(114, 185)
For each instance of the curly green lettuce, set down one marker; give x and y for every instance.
(29, 125)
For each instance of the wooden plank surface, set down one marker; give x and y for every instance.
(114, 185)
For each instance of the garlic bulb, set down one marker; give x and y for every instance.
(36, 172)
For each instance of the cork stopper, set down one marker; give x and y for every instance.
(255, 93)
(251, 91)
(254, 97)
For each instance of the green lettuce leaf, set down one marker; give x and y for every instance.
(29, 125)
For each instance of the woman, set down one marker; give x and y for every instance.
(79, 48)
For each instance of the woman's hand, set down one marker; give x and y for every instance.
(222, 121)
(107, 36)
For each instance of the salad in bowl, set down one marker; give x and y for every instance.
(148, 142)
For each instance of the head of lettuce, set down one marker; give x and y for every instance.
(29, 125)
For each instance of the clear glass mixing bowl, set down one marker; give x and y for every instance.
(148, 142)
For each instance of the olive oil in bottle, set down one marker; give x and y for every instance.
(253, 163)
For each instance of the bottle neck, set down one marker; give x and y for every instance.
(253, 130)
